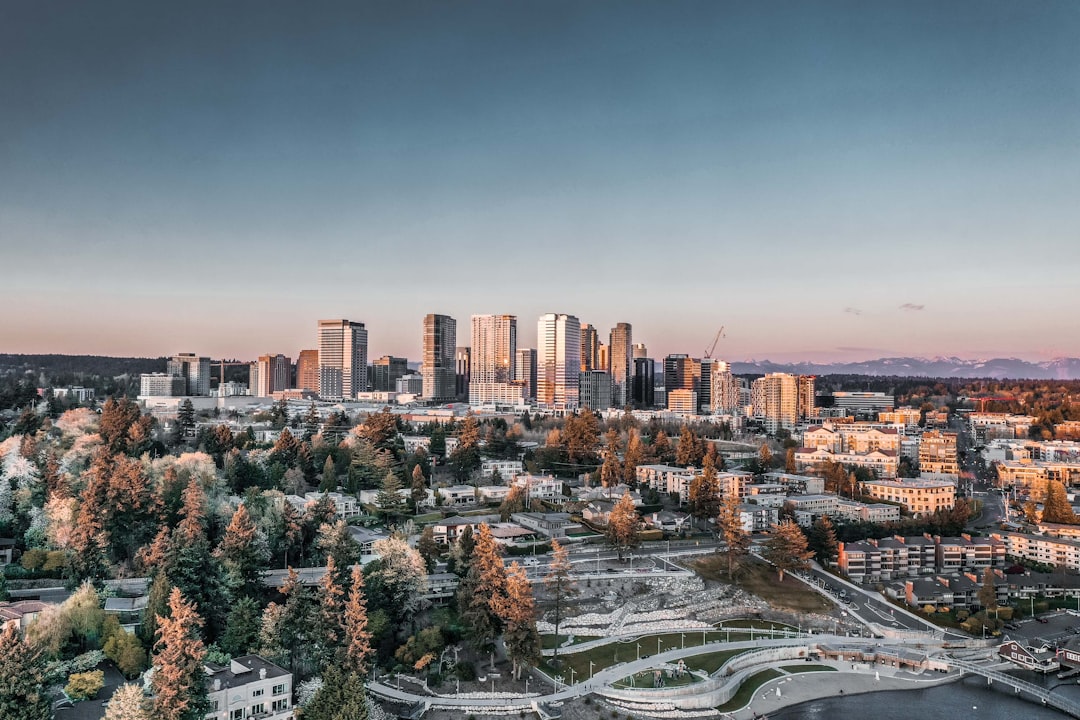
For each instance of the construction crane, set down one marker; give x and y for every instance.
(719, 334)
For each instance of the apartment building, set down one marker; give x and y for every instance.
(937, 454)
(883, 462)
(921, 496)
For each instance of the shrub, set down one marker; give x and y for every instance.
(465, 671)
(83, 686)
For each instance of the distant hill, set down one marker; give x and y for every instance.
(939, 367)
(54, 366)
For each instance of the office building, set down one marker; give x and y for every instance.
(640, 351)
(775, 401)
(558, 362)
(864, 403)
(525, 371)
(161, 385)
(269, 374)
(439, 368)
(461, 372)
(603, 358)
(590, 348)
(644, 381)
(307, 370)
(621, 362)
(704, 396)
(409, 384)
(594, 390)
(343, 347)
(681, 372)
(921, 496)
(195, 371)
(491, 360)
(682, 401)
(386, 371)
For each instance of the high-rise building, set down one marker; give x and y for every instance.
(603, 358)
(805, 402)
(461, 372)
(590, 348)
(525, 371)
(640, 351)
(161, 384)
(438, 368)
(681, 372)
(724, 395)
(704, 396)
(269, 374)
(621, 348)
(937, 454)
(558, 361)
(643, 395)
(194, 369)
(491, 359)
(775, 401)
(342, 359)
(307, 370)
(594, 390)
(386, 371)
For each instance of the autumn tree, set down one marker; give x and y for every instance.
(124, 649)
(465, 458)
(330, 630)
(729, 526)
(128, 703)
(689, 450)
(560, 586)
(418, 491)
(329, 476)
(482, 591)
(514, 502)
(661, 448)
(765, 457)
(335, 542)
(622, 528)
(22, 678)
(822, 540)
(179, 682)
(634, 455)
(517, 613)
(987, 592)
(704, 492)
(611, 469)
(581, 436)
(786, 548)
(402, 574)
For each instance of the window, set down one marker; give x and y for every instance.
(258, 692)
(279, 705)
(279, 689)
(237, 714)
(258, 709)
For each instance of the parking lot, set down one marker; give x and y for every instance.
(1051, 629)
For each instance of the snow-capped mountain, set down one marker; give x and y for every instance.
(1056, 369)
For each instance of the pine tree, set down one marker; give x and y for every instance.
(730, 527)
(389, 496)
(790, 465)
(356, 651)
(661, 448)
(243, 555)
(1056, 507)
(689, 450)
(128, 703)
(419, 490)
(622, 527)
(517, 614)
(634, 456)
(185, 420)
(822, 540)
(330, 633)
(560, 586)
(465, 459)
(190, 565)
(22, 678)
(157, 606)
(329, 476)
(513, 503)
(461, 554)
(341, 697)
(786, 548)
(241, 627)
(765, 457)
(704, 494)
(988, 593)
(335, 542)
(483, 589)
(179, 683)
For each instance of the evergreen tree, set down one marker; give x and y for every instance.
(461, 554)
(1056, 507)
(22, 678)
(622, 527)
(335, 542)
(157, 606)
(330, 630)
(704, 494)
(180, 683)
(689, 451)
(191, 566)
(661, 448)
(356, 651)
(465, 459)
(517, 614)
(329, 476)
(634, 456)
(560, 586)
(428, 548)
(765, 457)
(341, 697)
(514, 502)
(388, 498)
(419, 489)
(822, 540)
(987, 592)
(243, 554)
(730, 527)
(185, 420)
(482, 591)
(786, 548)
(241, 627)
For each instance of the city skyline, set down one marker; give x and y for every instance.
(830, 181)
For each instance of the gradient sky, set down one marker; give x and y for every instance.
(829, 180)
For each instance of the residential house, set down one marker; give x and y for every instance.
(249, 686)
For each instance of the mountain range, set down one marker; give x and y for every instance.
(940, 367)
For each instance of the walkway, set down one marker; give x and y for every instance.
(1047, 697)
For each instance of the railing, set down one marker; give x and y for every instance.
(1036, 691)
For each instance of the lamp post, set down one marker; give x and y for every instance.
(591, 663)
(638, 651)
(684, 639)
(526, 686)
(658, 645)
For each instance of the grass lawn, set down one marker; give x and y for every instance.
(757, 624)
(808, 667)
(761, 580)
(747, 689)
(616, 652)
(712, 662)
(428, 518)
(549, 640)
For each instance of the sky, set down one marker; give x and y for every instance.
(825, 180)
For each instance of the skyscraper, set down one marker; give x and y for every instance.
(806, 396)
(194, 369)
(640, 351)
(681, 372)
(775, 401)
(461, 372)
(342, 359)
(724, 394)
(525, 371)
(438, 368)
(620, 351)
(590, 348)
(491, 359)
(705, 385)
(558, 361)
(386, 371)
(594, 390)
(644, 382)
(307, 370)
(270, 375)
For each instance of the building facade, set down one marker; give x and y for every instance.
(462, 361)
(439, 369)
(307, 370)
(491, 359)
(775, 401)
(270, 374)
(595, 390)
(621, 357)
(343, 352)
(194, 369)
(386, 371)
(525, 371)
(558, 362)
(590, 348)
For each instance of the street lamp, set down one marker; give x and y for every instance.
(526, 686)
(658, 645)
(638, 651)
(591, 663)
(684, 634)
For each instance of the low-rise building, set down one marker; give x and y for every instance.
(506, 468)
(346, 506)
(458, 495)
(249, 686)
(20, 613)
(884, 463)
(551, 525)
(921, 496)
(757, 518)
(1057, 552)
(937, 454)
